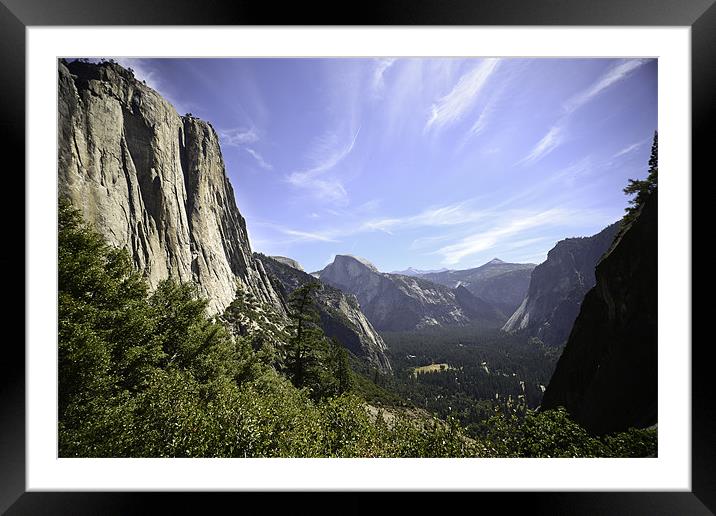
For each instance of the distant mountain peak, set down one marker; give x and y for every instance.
(400, 302)
(494, 261)
(412, 271)
(363, 261)
(288, 261)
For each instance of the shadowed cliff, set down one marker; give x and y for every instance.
(607, 375)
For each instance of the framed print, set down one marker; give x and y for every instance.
(308, 368)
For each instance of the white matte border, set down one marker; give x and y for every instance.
(670, 471)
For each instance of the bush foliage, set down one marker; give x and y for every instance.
(149, 374)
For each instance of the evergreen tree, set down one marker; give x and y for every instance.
(257, 325)
(341, 367)
(136, 371)
(243, 312)
(306, 345)
(642, 188)
(150, 375)
(105, 334)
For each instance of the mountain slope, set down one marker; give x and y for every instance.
(393, 302)
(558, 286)
(340, 313)
(607, 375)
(153, 182)
(500, 283)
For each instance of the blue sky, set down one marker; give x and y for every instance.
(426, 163)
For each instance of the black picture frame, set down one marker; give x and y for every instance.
(16, 15)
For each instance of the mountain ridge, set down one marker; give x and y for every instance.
(340, 313)
(558, 285)
(501, 283)
(410, 271)
(395, 302)
(607, 375)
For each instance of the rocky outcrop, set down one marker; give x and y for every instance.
(288, 261)
(558, 286)
(393, 302)
(607, 375)
(153, 182)
(476, 308)
(340, 313)
(500, 283)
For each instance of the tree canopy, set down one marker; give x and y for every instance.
(640, 189)
(148, 374)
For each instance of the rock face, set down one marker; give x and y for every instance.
(500, 283)
(340, 313)
(607, 375)
(558, 286)
(393, 302)
(153, 182)
(288, 261)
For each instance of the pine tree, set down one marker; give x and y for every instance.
(341, 367)
(642, 188)
(257, 325)
(242, 312)
(306, 346)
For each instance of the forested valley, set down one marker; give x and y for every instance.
(177, 339)
(150, 375)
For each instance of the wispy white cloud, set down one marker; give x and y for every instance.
(442, 216)
(430, 241)
(259, 159)
(325, 157)
(480, 124)
(330, 189)
(242, 137)
(484, 240)
(462, 229)
(556, 134)
(612, 76)
(526, 242)
(403, 92)
(630, 148)
(381, 66)
(307, 235)
(368, 206)
(298, 235)
(576, 170)
(238, 136)
(547, 144)
(453, 106)
(481, 121)
(449, 215)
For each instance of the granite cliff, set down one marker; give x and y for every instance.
(393, 302)
(607, 375)
(558, 286)
(500, 283)
(340, 313)
(154, 182)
